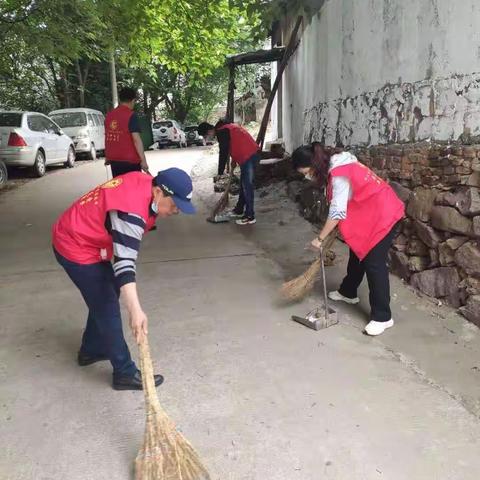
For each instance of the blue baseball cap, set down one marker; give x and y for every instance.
(177, 184)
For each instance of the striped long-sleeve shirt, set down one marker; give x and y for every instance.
(127, 230)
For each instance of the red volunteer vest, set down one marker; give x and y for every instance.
(80, 235)
(372, 211)
(119, 144)
(242, 144)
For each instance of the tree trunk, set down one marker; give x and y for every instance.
(59, 92)
(82, 81)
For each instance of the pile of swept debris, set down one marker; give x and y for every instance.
(275, 167)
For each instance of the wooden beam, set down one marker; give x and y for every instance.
(231, 95)
(260, 56)
(291, 47)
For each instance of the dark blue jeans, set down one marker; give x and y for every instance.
(246, 198)
(103, 334)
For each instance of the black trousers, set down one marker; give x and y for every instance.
(119, 168)
(374, 265)
(222, 164)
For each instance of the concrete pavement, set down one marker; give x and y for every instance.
(261, 398)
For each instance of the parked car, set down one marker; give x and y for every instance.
(167, 133)
(193, 138)
(85, 126)
(3, 175)
(31, 139)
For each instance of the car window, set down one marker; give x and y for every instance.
(91, 123)
(10, 119)
(70, 119)
(36, 124)
(49, 126)
(95, 119)
(162, 124)
(99, 119)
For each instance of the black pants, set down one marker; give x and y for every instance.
(119, 168)
(374, 265)
(222, 163)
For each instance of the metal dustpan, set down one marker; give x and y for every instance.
(319, 318)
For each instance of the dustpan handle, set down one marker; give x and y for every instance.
(325, 296)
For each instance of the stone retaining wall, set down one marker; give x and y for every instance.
(438, 248)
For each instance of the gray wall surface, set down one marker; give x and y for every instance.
(371, 72)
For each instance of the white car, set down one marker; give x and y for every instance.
(193, 138)
(85, 126)
(167, 133)
(31, 139)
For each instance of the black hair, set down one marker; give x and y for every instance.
(302, 157)
(127, 94)
(317, 157)
(204, 127)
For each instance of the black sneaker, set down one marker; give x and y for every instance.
(84, 360)
(246, 221)
(122, 382)
(234, 214)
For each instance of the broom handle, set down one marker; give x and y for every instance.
(146, 366)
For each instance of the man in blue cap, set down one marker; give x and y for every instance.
(97, 241)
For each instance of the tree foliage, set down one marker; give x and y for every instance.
(55, 52)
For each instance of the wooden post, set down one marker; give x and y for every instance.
(291, 47)
(231, 95)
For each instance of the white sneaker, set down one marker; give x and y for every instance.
(377, 328)
(338, 297)
(246, 221)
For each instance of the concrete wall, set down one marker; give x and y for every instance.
(372, 72)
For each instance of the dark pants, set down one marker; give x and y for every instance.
(103, 333)
(119, 168)
(222, 163)
(374, 265)
(246, 198)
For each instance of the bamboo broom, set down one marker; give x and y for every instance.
(166, 454)
(296, 289)
(222, 203)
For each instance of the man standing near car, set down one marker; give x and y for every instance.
(124, 150)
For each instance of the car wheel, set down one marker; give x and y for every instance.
(92, 154)
(3, 175)
(70, 163)
(39, 167)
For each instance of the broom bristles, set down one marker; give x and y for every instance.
(297, 288)
(166, 454)
(222, 203)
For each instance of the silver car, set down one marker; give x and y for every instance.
(31, 139)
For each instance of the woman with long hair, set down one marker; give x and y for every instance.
(366, 210)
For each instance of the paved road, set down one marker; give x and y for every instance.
(260, 397)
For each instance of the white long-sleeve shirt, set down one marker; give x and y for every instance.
(341, 187)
